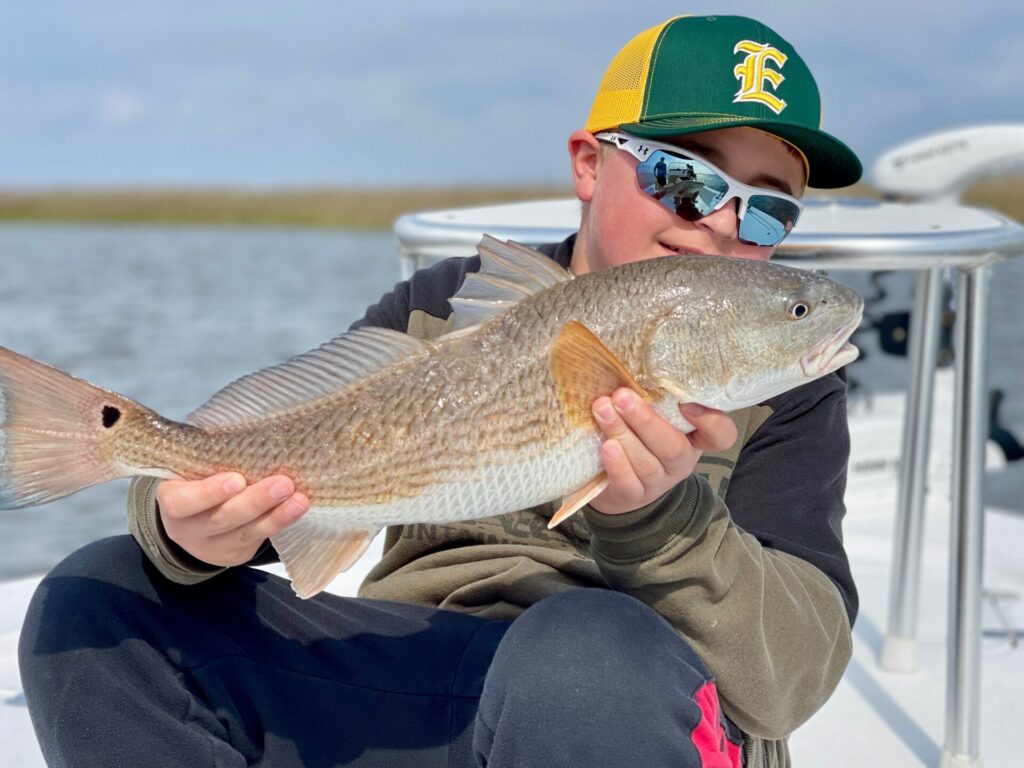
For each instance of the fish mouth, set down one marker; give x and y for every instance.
(831, 354)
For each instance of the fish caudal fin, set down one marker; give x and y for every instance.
(51, 432)
(314, 553)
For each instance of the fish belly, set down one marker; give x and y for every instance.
(505, 483)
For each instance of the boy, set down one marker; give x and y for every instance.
(720, 601)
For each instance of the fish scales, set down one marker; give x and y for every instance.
(456, 411)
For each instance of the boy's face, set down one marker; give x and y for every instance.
(622, 224)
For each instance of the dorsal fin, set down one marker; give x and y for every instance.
(319, 372)
(509, 272)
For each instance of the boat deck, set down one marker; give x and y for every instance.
(882, 718)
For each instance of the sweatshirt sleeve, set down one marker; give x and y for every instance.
(773, 626)
(145, 525)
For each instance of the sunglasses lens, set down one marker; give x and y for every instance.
(767, 220)
(686, 187)
(691, 189)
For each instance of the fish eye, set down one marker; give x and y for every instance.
(798, 310)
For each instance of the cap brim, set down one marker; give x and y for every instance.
(831, 163)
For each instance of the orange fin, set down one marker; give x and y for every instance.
(572, 503)
(584, 369)
(313, 554)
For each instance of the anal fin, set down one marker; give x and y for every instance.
(572, 503)
(314, 553)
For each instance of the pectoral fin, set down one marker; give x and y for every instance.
(313, 553)
(584, 369)
(572, 503)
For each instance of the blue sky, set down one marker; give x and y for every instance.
(441, 92)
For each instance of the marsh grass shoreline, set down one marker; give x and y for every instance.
(336, 207)
(331, 207)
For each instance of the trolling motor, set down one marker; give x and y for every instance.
(939, 168)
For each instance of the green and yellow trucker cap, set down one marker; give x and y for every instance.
(699, 73)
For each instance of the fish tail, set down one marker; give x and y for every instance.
(53, 432)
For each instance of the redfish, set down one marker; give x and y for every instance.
(379, 428)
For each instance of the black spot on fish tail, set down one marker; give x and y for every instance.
(110, 416)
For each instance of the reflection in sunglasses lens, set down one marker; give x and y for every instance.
(692, 190)
(767, 220)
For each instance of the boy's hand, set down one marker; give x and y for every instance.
(644, 455)
(221, 521)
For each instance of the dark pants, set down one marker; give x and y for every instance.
(123, 668)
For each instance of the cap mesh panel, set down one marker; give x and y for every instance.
(621, 94)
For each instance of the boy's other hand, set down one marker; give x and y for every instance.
(222, 521)
(644, 455)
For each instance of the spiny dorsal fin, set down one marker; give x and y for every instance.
(319, 372)
(509, 272)
(584, 369)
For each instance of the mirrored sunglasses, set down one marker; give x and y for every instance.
(691, 187)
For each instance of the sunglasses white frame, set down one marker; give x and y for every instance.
(641, 149)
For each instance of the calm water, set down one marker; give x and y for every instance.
(168, 316)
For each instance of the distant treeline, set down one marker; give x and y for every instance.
(373, 208)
